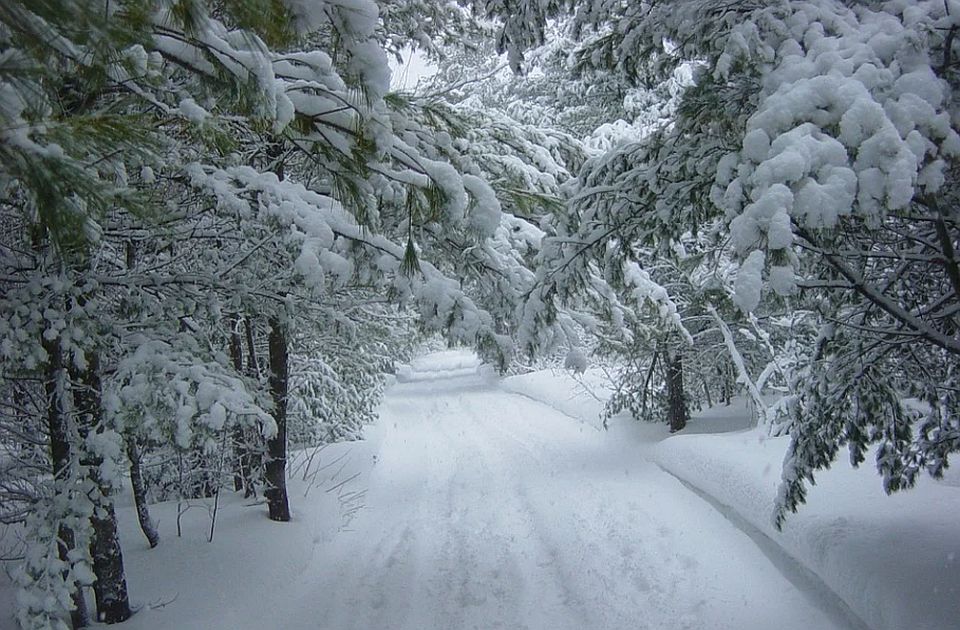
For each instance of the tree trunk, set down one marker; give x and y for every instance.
(209, 480)
(147, 526)
(236, 355)
(242, 479)
(252, 462)
(110, 587)
(678, 402)
(726, 391)
(60, 457)
(253, 366)
(646, 384)
(277, 445)
(706, 390)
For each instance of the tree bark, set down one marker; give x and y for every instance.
(706, 390)
(110, 587)
(60, 458)
(253, 366)
(252, 462)
(646, 384)
(241, 473)
(677, 400)
(147, 525)
(276, 468)
(726, 391)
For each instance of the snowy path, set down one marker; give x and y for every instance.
(488, 510)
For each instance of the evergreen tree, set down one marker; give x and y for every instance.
(169, 169)
(825, 157)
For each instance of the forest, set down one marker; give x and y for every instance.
(238, 256)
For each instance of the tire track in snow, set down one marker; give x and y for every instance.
(527, 536)
(486, 510)
(624, 585)
(621, 564)
(461, 558)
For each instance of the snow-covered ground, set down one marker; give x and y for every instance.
(471, 506)
(893, 560)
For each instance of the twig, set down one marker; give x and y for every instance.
(343, 483)
(216, 495)
(162, 604)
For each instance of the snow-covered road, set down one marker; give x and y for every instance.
(489, 510)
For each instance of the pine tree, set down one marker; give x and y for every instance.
(165, 164)
(825, 158)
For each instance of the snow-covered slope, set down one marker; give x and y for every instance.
(189, 583)
(579, 396)
(892, 559)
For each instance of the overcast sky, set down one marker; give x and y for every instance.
(414, 67)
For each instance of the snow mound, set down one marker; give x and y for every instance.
(445, 361)
(579, 396)
(892, 559)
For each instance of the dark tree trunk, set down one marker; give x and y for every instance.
(209, 477)
(277, 445)
(253, 366)
(677, 400)
(252, 462)
(706, 390)
(646, 384)
(236, 355)
(60, 457)
(147, 526)
(110, 587)
(242, 479)
(726, 391)
(249, 461)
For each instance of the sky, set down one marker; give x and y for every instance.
(415, 66)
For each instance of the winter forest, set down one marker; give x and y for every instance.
(624, 314)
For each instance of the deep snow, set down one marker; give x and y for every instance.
(469, 506)
(892, 558)
(489, 510)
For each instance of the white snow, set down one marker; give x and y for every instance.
(854, 121)
(891, 558)
(478, 503)
(193, 112)
(490, 510)
(748, 283)
(782, 279)
(579, 397)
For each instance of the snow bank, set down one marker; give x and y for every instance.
(580, 396)
(254, 565)
(445, 361)
(583, 397)
(892, 559)
(455, 363)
